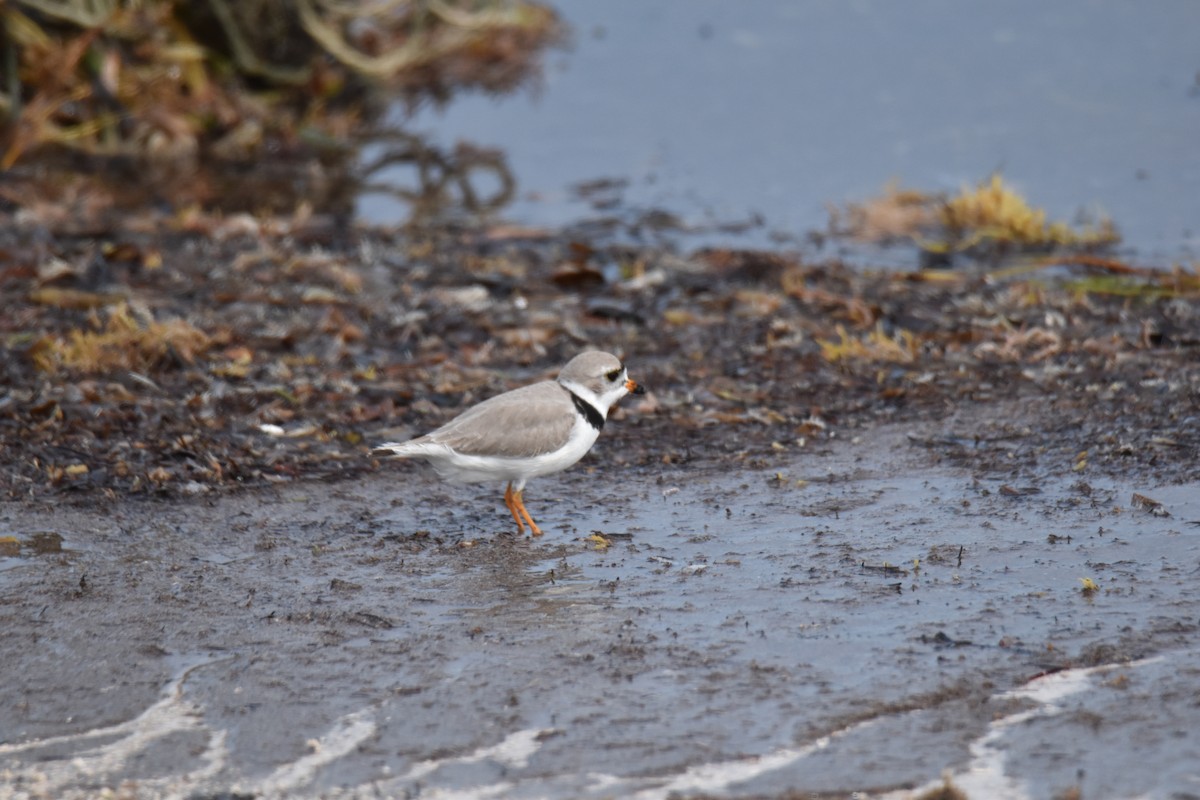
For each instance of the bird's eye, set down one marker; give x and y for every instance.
(612, 375)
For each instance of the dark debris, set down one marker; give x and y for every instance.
(243, 352)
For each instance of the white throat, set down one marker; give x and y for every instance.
(601, 403)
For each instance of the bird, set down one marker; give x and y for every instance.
(525, 433)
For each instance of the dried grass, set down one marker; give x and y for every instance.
(875, 345)
(990, 215)
(121, 343)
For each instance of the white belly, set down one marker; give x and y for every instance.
(476, 469)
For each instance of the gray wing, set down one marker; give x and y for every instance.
(528, 421)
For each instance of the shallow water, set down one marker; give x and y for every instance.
(741, 635)
(721, 112)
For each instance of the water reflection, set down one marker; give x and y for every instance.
(432, 181)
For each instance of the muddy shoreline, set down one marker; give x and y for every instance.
(210, 589)
(291, 346)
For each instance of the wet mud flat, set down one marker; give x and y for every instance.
(861, 618)
(865, 528)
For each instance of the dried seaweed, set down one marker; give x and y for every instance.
(204, 352)
(190, 86)
(121, 342)
(992, 213)
(986, 220)
(875, 345)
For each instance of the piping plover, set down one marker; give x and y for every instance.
(535, 430)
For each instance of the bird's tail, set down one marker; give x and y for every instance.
(396, 449)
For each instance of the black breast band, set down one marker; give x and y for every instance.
(593, 417)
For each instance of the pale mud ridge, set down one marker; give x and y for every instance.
(860, 619)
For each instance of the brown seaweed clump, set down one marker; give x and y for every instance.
(164, 87)
(989, 220)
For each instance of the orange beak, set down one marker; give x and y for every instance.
(634, 387)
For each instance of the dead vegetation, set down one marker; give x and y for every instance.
(120, 342)
(189, 353)
(986, 220)
(176, 97)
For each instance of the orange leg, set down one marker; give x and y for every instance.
(512, 507)
(519, 501)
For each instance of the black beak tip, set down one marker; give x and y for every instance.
(639, 389)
